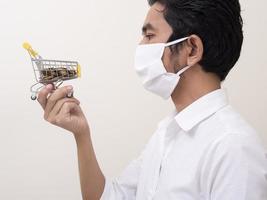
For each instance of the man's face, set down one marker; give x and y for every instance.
(157, 30)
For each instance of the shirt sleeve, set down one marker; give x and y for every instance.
(123, 187)
(236, 169)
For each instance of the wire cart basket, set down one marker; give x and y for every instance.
(53, 72)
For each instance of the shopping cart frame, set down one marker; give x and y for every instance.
(53, 72)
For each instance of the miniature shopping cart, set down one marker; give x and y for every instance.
(53, 72)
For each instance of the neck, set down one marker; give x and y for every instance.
(194, 84)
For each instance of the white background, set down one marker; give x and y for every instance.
(38, 160)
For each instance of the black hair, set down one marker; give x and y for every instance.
(217, 22)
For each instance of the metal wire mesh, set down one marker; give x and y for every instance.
(48, 71)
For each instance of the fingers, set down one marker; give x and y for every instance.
(42, 95)
(66, 110)
(56, 96)
(67, 107)
(58, 106)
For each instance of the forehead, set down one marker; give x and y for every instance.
(155, 12)
(155, 16)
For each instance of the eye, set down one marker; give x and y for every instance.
(149, 36)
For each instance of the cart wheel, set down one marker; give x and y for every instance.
(33, 97)
(70, 95)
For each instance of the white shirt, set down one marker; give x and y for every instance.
(205, 152)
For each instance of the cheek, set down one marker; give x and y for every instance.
(167, 61)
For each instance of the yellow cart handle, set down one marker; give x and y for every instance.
(28, 47)
(79, 73)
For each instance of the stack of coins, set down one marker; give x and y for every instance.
(53, 74)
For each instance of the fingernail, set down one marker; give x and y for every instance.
(49, 86)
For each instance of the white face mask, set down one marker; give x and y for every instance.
(150, 68)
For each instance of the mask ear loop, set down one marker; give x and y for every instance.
(183, 70)
(177, 42)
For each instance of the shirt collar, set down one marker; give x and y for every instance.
(201, 109)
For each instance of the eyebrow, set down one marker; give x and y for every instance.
(148, 26)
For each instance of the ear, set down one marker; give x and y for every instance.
(195, 50)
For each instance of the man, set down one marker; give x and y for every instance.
(204, 149)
